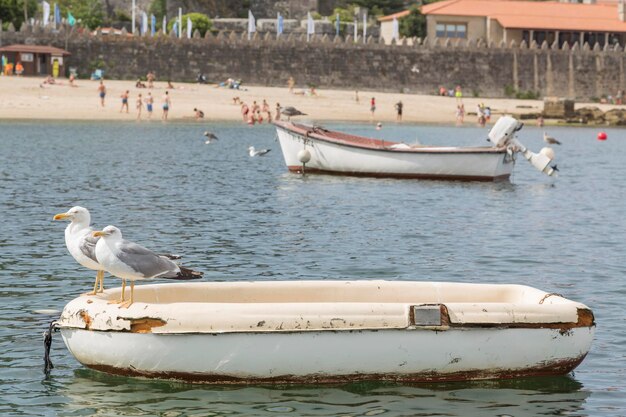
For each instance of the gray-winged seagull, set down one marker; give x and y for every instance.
(130, 261)
(550, 139)
(254, 152)
(81, 244)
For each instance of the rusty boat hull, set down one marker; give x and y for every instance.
(329, 331)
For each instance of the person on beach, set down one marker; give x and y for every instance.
(277, 117)
(373, 106)
(399, 106)
(72, 78)
(539, 121)
(356, 96)
(291, 83)
(170, 86)
(458, 94)
(244, 111)
(19, 68)
(102, 92)
(480, 112)
(266, 110)
(150, 78)
(138, 106)
(124, 97)
(199, 114)
(149, 103)
(166, 105)
(460, 114)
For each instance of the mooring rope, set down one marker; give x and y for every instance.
(47, 344)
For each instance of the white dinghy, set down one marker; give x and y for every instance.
(316, 150)
(329, 331)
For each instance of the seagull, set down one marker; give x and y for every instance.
(81, 244)
(550, 139)
(130, 261)
(291, 111)
(210, 137)
(260, 152)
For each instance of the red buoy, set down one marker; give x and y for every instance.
(602, 136)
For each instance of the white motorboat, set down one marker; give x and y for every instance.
(329, 331)
(314, 149)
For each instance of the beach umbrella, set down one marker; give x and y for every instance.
(395, 34)
(356, 28)
(175, 27)
(46, 13)
(279, 25)
(251, 24)
(164, 25)
(337, 21)
(189, 27)
(152, 24)
(70, 19)
(310, 26)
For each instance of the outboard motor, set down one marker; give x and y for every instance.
(504, 130)
(502, 134)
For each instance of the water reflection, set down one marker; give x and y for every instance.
(91, 392)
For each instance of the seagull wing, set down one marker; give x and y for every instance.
(87, 245)
(144, 261)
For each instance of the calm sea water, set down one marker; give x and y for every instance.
(242, 218)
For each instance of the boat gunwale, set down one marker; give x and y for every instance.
(308, 134)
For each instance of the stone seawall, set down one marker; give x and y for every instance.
(485, 70)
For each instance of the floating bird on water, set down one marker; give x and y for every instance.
(210, 137)
(290, 111)
(130, 261)
(81, 244)
(260, 152)
(550, 139)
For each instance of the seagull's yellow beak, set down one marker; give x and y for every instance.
(99, 233)
(61, 216)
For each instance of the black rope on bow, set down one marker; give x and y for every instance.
(47, 344)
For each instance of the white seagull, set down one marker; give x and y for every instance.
(81, 244)
(550, 139)
(130, 261)
(210, 137)
(253, 152)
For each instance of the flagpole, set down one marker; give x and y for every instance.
(180, 22)
(364, 27)
(133, 15)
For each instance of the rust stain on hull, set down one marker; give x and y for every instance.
(145, 325)
(86, 318)
(549, 368)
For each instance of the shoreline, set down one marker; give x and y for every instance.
(28, 99)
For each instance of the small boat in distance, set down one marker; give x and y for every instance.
(329, 331)
(314, 149)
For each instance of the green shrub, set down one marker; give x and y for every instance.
(199, 21)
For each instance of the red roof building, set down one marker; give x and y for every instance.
(507, 20)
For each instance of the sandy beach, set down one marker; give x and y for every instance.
(27, 98)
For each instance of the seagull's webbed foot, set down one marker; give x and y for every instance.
(126, 304)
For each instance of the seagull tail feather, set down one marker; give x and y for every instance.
(186, 274)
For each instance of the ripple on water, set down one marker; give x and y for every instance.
(239, 218)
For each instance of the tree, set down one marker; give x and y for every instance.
(88, 13)
(158, 8)
(413, 25)
(199, 21)
(12, 11)
(381, 6)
